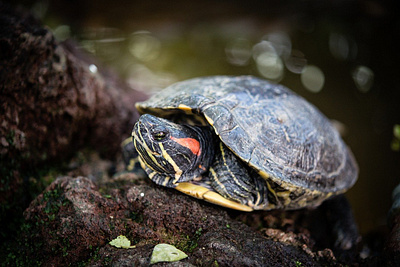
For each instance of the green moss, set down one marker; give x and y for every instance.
(298, 264)
(106, 261)
(19, 251)
(92, 257)
(10, 137)
(187, 243)
(65, 247)
(20, 261)
(53, 201)
(25, 248)
(7, 169)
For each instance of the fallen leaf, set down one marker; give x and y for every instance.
(121, 242)
(166, 252)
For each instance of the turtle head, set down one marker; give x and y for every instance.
(171, 153)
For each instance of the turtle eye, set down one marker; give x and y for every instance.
(159, 135)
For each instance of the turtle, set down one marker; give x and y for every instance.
(243, 143)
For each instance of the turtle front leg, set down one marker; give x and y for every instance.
(227, 183)
(234, 181)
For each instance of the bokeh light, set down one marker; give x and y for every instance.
(144, 46)
(342, 47)
(281, 42)
(144, 79)
(312, 78)
(296, 62)
(62, 32)
(238, 51)
(93, 68)
(268, 62)
(363, 78)
(106, 43)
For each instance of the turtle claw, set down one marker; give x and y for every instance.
(201, 192)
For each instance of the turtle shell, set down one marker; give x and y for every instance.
(272, 129)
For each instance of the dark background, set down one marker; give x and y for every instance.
(152, 44)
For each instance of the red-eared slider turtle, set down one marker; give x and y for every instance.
(242, 143)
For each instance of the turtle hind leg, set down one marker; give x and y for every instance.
(343, 227)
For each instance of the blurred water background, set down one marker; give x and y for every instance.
(342, 56)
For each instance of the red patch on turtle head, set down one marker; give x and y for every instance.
(190, 143)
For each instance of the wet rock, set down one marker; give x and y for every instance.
(52, 100)
(73, 221)
(123, 257)
(237, 245)
(53, 103)
(71, 217)
(392, 247)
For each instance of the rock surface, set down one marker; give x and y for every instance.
(392, 248)
(73, 220)
(53, 102)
